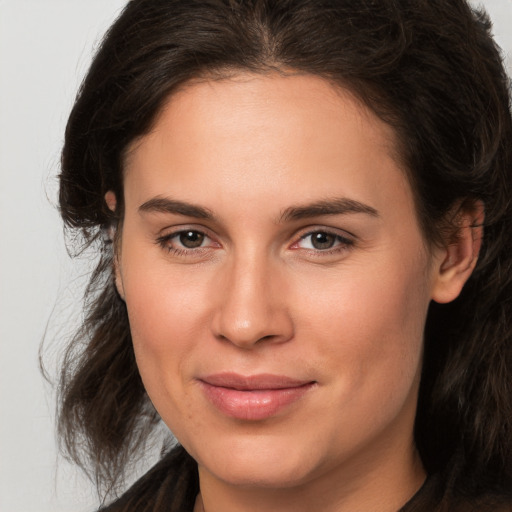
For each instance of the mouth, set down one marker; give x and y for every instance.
(255, 397)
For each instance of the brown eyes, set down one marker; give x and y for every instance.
(192, 241)
(186, 241)
(322, 240)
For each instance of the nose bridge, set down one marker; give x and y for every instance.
(251, 308)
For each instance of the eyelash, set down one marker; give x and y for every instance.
(342, 243)
(164, 242)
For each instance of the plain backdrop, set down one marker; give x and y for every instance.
(45, 48)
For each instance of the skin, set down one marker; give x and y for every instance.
(257, 296)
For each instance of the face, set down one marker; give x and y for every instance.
(276, 280)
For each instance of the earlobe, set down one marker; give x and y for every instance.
(110, 199)
(118, 280)
(458, 258)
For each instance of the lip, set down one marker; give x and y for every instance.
(254, 397)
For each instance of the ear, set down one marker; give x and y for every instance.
(458, 258)
(110, 199)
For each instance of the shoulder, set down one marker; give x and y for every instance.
(437, 496)
(485, 503)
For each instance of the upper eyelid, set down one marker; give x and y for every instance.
(343, 240)
(175, 234)
(342, 233)
(170, 231)
(303, 231)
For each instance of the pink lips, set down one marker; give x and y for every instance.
(255, 397)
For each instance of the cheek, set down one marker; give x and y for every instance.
(162, 301)
(167, 321)
(368, 329)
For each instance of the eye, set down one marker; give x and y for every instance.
(186, 241)
(190, 239)
(321, 240)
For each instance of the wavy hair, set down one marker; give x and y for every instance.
(428, 68)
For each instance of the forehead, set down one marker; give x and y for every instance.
(280, 98)
(273, 135)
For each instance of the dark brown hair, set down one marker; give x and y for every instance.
(431, 70)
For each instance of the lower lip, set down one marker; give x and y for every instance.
(253, 405)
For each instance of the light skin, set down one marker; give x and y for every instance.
(304, 258)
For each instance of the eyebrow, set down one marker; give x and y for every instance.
(336, 206)
(166, 205)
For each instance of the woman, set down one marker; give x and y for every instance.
(303, 210)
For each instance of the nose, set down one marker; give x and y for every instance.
(251, 305)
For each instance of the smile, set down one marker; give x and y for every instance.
(253, 398)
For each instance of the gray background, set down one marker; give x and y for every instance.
(45, 48)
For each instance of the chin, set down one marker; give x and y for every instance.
(263, 465)
(267, 476)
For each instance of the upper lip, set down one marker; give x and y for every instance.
(253, 382)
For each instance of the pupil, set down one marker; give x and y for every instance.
(191, 239)
(322, 240)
